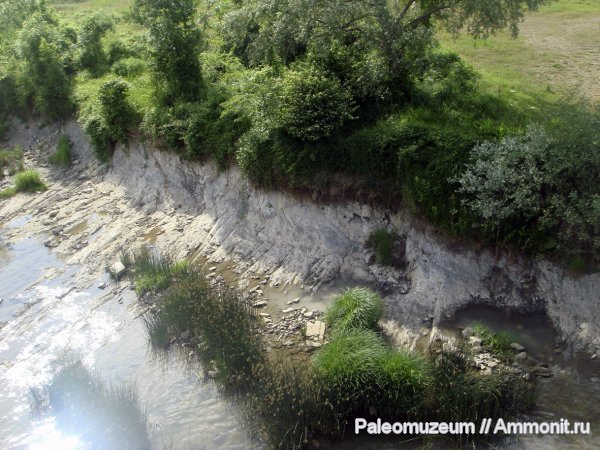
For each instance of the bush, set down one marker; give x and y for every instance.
(108, 117)
(9, 100)
(356, 309)
(62, 155)
(44, 50)
(535, 188)
(313, 106)
(92, 55)
(29, 181)
(129, 67)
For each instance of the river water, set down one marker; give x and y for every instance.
(48, 320)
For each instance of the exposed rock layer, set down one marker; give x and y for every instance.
(194, 209)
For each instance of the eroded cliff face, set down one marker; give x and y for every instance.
(196, 210)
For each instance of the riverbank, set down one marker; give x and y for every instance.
(285, 246)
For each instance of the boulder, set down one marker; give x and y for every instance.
(117, 269)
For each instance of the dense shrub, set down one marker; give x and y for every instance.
(44, 50)
(9, 100)
(535, 188)
(313, 106)
(129, 67)
(108, 116)
(92, 55)
(173, 41)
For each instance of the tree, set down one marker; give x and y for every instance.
(174, 41)
(351, 35)
(44, 49)
(313, 105)
(92, 56)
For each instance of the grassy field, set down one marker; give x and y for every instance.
(556, 53)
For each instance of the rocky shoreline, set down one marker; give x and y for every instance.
(272, 240)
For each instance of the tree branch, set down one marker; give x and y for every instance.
(427, 15)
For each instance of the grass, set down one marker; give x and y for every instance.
(11, 160)
(100, 415)
(357, 308)
(26, 181)
(29, 181)
(289, 400)
(382, 243)
(152, 272)
(498, 342)
(62, 155)
(553, 54)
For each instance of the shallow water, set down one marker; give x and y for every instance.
(49, 320)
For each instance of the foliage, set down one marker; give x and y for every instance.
(29, 181)
(45, 52)
(312, 105)
(497, 342)
(357, 308)
(89, 42)
(536, 188)
(62, 155)
(382, 242)
(100, 415)
(129, 67)
(11, 160)
(108, 116)
(173, 40)
(459, 394)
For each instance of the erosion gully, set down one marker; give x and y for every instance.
(47, 319)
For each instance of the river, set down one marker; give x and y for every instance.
(48, 319)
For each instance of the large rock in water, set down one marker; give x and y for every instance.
(117, 269)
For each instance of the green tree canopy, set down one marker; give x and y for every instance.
(174, 41)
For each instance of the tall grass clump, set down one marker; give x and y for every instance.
(357, 308)
(11, 160)
(458, 393)
(382, 243)
(286, 405)
(153, 272)
(222, 327)
(29, 181)
(101, 416)
(497, 341)
(361, 374)
(62, 155)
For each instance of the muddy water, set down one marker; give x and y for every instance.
(49, 321)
